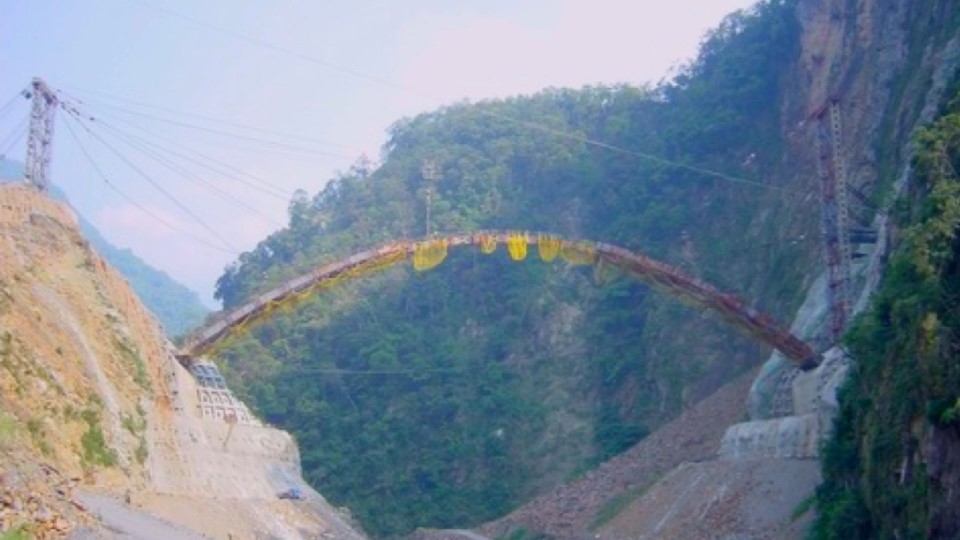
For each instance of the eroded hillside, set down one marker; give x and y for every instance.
(889, 66)
(93, 404)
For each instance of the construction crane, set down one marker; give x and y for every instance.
(40, 140)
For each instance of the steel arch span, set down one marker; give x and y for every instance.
(431, 252)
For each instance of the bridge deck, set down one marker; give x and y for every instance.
(662, 276)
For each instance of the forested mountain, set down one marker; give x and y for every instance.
(448, 397)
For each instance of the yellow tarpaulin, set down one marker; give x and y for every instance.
(427, 255)
(578, 253)
(548, 247)
(488, 244)
(517, 246)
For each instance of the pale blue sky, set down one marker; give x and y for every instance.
(429, 52)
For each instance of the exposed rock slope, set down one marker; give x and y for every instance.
(90, 389)
(887, 63)
(571, 510)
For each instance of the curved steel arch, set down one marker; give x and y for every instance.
(662, 276)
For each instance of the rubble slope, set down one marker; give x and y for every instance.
(92, 396)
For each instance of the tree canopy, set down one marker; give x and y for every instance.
(516, 377)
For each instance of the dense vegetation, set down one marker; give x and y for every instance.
(446, 398)
(901, 403)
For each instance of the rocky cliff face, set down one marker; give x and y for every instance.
(887, 63)
(91, 393)
(78, 347)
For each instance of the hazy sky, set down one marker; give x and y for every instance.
(289, 92)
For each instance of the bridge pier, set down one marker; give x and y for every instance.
(214, 400)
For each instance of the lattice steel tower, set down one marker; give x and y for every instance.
(40, 141)
(430, 172)
(835, 216)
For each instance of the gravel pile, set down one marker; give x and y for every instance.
(38, 500)
(569, 511)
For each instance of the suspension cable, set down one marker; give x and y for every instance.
(158, 186)
(15, 135)
(277, 144)
(130, 200)
(147, 149)
(109, 96)
(413, 91)
(259, 184)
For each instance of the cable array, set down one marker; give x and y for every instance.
(191, 156)
(157, 185)
(119, 128)
(534, 126)
(132, 201)
(131, 137)
(233, 135)
(15, 135)
(19, 130)
(9, 104)
(131, 146)
(149, 150)
(207, 118)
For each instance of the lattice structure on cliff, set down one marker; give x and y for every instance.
(216, 401)
(834, 216)
(40, 140)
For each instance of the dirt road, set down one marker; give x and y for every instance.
(121, 522)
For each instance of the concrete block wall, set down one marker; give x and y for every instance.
(193, 452)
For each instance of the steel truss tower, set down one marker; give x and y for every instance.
(40, 141)
(835, 216)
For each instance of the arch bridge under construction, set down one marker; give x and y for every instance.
(426, 254)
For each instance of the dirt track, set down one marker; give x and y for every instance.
(122, 522)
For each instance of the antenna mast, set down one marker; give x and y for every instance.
(430, 173)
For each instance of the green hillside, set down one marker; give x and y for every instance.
(518, 376)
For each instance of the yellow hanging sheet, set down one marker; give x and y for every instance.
(548, 247)
(517, 246)
(427, 255)
(578, 253)
(488, 244)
